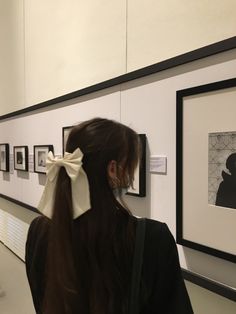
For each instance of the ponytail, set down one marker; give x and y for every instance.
(60, 271)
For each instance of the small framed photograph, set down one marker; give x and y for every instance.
(40, 156)
(4, 157)
(139, 184)
(21, 158)
(206, 168)
(65, 133)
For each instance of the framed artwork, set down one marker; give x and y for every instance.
(65, 133)
(21, 158)
(4, 157)
(40, 156)
(139, 183)
(206, 168)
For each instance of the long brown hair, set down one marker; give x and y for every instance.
(90, 258)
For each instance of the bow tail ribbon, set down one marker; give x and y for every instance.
(80, 194)
(46, 203)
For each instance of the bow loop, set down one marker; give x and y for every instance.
(71, 162)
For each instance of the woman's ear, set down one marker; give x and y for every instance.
(112, 169)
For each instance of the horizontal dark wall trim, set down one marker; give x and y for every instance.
(209, 284)
(10, 199)
(219, 85)
(200, 53)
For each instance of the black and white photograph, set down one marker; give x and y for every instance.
(139, 183)
(222, 169)
(206, 168)
(4, 157)
(40, 156)
(65, 132)
(21, 158)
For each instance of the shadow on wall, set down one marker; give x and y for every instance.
(23, 174)
(6, 176)
(42, 179)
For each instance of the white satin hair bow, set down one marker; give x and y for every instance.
(79, 183)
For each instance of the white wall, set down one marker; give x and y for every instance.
(72, 44)
(158, 30)
(50, 48)
(11, 56)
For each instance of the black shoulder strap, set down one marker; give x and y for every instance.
(137, 266)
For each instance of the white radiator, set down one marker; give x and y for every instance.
(2, 225)
(13, 233)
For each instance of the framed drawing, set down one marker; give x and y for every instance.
(21, 158)
(65, 133)
(139, 183)
(206, 168)
(4, 157)
(40, 155)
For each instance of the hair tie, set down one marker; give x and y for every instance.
(79, 183)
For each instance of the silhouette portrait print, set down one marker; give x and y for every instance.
(226, 194)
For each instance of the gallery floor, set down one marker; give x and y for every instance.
(16, 297)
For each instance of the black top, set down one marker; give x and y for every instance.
(166, 292)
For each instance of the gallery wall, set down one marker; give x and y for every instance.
(149, 106)
(44, 128)
(50, 48)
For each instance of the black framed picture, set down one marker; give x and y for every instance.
(4, 157)
(139, 183)
(206, 168)
(21, 158)
(40, 156)
(65, 132)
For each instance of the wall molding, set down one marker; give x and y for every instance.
(209, 284)
(27, 206)
(194, 55)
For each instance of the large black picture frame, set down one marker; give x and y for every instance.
(40, 164)
(190, 102)
(21, 155)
